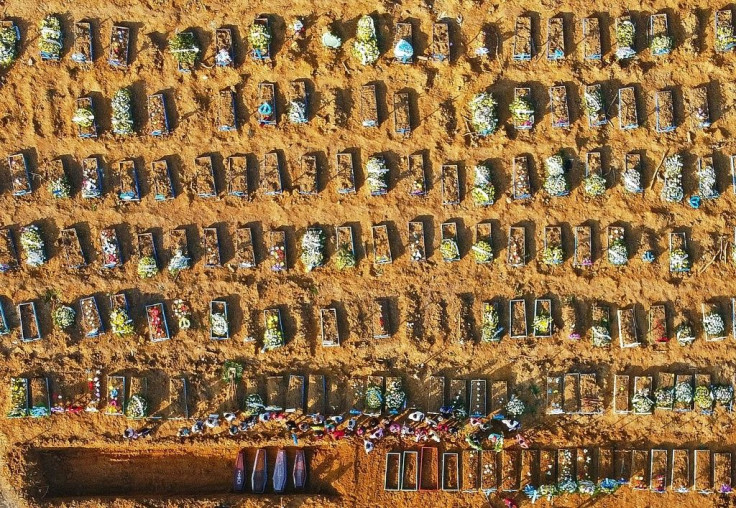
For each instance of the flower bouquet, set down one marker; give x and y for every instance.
(555, 182)
(679, 261)
(60, 187)
(664, 397)
(344, 258)
(625, 34)
(110, 248)
(495, 441)
(483, 116)
(522, 112)
(278, 256)
(33, 246)
(377, 176)
(179, 262)
(259, 38)
(515, 406)
(704, 398)
(137, 407)
(297, 111)
(482, 252)
(672, 191)
(253, 404)
(157, 323)
(120, 322)
(542, 324)
(232, 372)
(63, 316)
(395, 397)
(373, 398)
(707, 184)
(273, 336)
(713, 324)
(49, 44)
(449, 250)
(593, 102)
(365, 47)
(641, 403)
(183, 314)
(684, 334)
(18, 398)
(122, 112)
(566, 483)
(313, 246)
(631, 179)
(725, 39)
(683, 396)
(184, 48)
(594, 185)
(9, 38)
(661, 44)
(218, 325)
(723, 395)
(403, 50)
(91, 186)
(618, 254)
(548, 491)
(601, 331)
(331, 41)
(483, 192)
(84, 117)
(147, 267)
(553, 255)
(490, 330)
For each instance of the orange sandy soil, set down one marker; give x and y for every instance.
(36, 105)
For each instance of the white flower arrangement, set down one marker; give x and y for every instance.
(395, 396)
(179, 262)
(218, 324)
(632, 181)
(684, 393)
(641, 402)
(331, 41)
(297, 111)
(601, 334)
(555, 182)
(63, 316)
(515, 406)
(713, 324)
(665, 397)
(707, 185)
(365, 47)
(593, 100)
(377, 175)
(313, 244)
(33, 245)
(723, 394)
(672, 191)
(618, 254)
(483, 116)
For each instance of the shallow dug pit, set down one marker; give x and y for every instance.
(92, 472)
